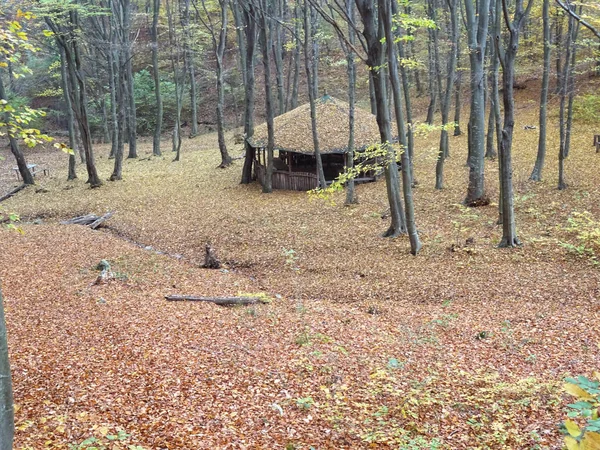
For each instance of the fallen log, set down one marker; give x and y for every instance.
(100, 220)
(13, 192)
(223, 301)
(91, 220)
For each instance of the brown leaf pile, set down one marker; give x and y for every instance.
(367, 346)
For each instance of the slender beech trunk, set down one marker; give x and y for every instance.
(131, 113)
(113, 70)
(457, 93)
(297, 28)
(308, 62)
(220, 54)
(277, 44)
(78, 90)
(7, 412)
(373, 33)
(249, 22)
(351, 197)
(406, 92)
(188, 56)
(558, 42)
(432, 72)
(446, 99)
(239, 34)
(563, 96)
(565, 123)
(536, 174)
(264, 44)
(14, 146)
(477, 30)
(495, 101)
(494, 98)
(159, 103)
(70, 119)
(386, 19)
(507, 59)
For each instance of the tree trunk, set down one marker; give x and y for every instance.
(131, 116)
(7, 413)
(241, 41)
(446, 99)
(562, 152)
(190, 69)
(220, 54)
(308, 61)
(264, 44)
(70, 120)
(457, 100)
(159, 103)
(14, 146)
(374, 35)
(477, 27)
(490, 151)
(276, 41)
(250, 31)
(296, 58)
(509, 232)
(406, 91)
(386, 18)
(351, 197)
(536, 174)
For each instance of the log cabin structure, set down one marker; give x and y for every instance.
(294, 161)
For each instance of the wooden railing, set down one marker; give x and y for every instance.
(292, 181)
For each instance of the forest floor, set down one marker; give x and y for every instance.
(363, 345)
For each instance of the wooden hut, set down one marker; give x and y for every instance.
(294, 163)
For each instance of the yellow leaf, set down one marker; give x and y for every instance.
(103, 431)
(60, 429)
(571, 443)
(591, 441)
(572, 428)
(576, 391)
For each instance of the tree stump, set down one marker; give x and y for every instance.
(210, 258)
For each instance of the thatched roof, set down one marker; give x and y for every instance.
(293, 130)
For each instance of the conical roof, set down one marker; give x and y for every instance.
(293, 130)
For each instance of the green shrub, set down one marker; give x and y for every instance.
(585, 231)
(585, 433)
(586, 108)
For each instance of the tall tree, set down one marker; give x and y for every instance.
(188, 56)
(249, 22)
(374, 37)
(218, 35)
(309, 61)
(351, 197)
(129, 87)
(447, 95)
(266, 57)
(156, 76)
(536, 174)
(508, 57)
(411, 227)
(67, 34)
(477, 19)
(70, 119)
